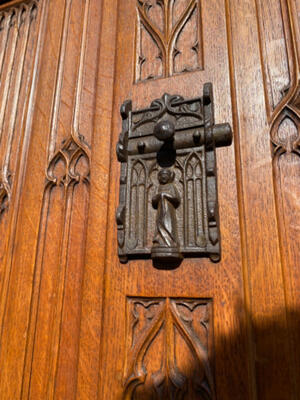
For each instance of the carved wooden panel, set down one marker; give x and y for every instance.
(285, 135)
(63, 308)
(280, 64)
(60, 248)
(169, 349)
(45, 265)
(59, 255)
(285, 138)
(20, 39)
(168, 38)
(17, 40)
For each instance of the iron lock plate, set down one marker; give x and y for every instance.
(168, 186)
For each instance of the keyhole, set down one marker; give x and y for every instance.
(166, 156)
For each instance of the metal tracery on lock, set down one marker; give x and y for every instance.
(168, 190)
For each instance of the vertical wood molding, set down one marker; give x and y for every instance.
(16, 129)
(21, 39)
(19, 28)
(279, 54)
(284, 125)
(59, 79)
(242, 210)
(262, 269)
(88, 385)
(285, 140)
(19, 56)
(67, 195)
(275, 51)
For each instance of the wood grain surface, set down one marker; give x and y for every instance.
(77, 324)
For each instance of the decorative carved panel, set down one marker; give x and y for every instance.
(285, 133)
(168, 38)
(285, 140)
(60, 254)
(169, 349)
(21, 34)
(18, 38)
(280, 63)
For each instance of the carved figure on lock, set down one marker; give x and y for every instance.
(166, 245)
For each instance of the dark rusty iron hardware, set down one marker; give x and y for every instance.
(168, 191)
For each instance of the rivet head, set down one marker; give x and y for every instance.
(141, 147)
(197, 137)
(164, 130)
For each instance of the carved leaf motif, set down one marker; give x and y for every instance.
(162, 334)
(168, 38)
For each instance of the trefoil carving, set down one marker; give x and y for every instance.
(285, 136)
(70, 164)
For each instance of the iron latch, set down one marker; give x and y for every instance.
(168, 187)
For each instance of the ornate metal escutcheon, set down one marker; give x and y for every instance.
(168, 191)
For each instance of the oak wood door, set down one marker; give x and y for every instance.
(77, 324)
